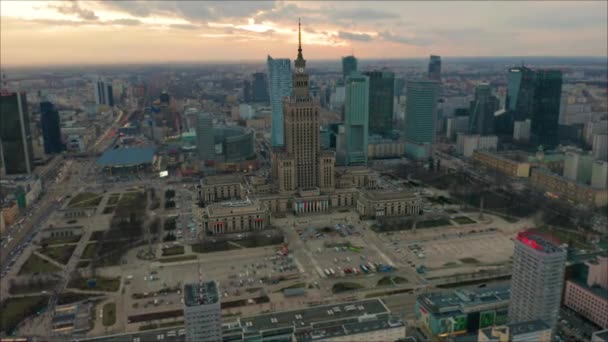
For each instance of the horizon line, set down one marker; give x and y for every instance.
(5, 66)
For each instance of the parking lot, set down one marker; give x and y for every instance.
(249, 273)
(340, 251)
(452, 251)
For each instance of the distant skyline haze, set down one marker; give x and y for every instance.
(35, 33)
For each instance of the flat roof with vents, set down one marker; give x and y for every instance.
(330, 315)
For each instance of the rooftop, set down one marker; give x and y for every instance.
(221, 179)
(126, 156)
(234, 207)
(596, 290)
(378, 195)
(316, 317)
(463, 300)
(204, 293)
(538, 243)
(527, 327)
(602, 334)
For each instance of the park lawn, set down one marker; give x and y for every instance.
(432, 223)
(33, 287)
(90, 251)
(345, 286)
(61, 254)
(73, 297)
(103, 284)
(175, 250)
(36, 264)
(385, 281)
(15, 310)
(85, 200)
(109, 314)
(60, 240)
(113, 199)
(464, 220)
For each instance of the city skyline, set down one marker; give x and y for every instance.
(56, 33)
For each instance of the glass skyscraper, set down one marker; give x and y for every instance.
(280, 87)
(51, 132)
(356, 119)
(381, 103)
(535, 95)
(420, 117)
(16, 147)
(104, 93)
(349, 64)
(482, 110)
(205, 137)
(547, 99)
(260, 87)
(435, 68)
(520, 93)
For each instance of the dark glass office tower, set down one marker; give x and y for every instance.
(247, 96)
(260, 87)
(482, 110)
(381, 93)
(15, 136)
(349, 64)
(545, 117)
(520, 93)
(51, 132)
(435, 68)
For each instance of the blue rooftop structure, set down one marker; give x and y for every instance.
(131, 156)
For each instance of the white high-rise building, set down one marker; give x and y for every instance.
(600, 146)
(537, 280)
(202, 312)
(466, 144)
(455, 125)
(521, 130)
(280, 87)
(599, 174)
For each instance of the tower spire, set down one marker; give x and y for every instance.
(299, 39)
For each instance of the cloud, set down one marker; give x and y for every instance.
(192, 10)
(390, 37)
(184, 26)
(125, 22)
(75, 9)
(139, 8)
(362, 37)
(359, 14)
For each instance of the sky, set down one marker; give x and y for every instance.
(34, 33)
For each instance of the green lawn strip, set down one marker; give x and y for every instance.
(101, 284)
(175, 250)
(90, 251)
(464, 220)
(32, 286)
(61, 254)
(179, 258)
(15, 310)
(432, 223)
(346, 286)
(113, 199)
(60, 240)
(36, 264)
(160, 325)
(109, 314)
(73, 297)
(85, 200)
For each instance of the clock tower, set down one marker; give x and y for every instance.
(300, 78)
